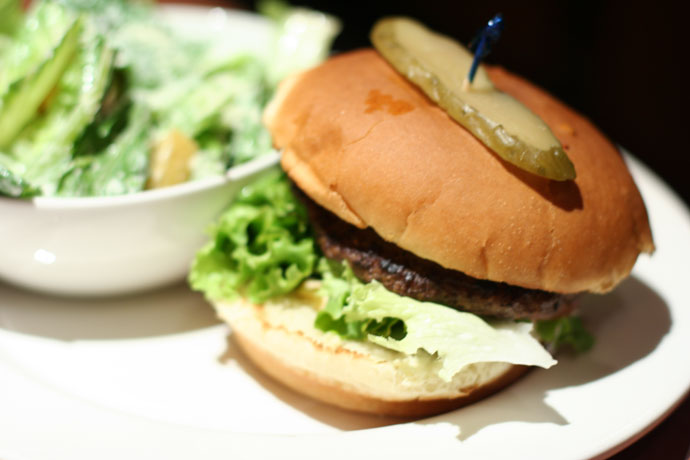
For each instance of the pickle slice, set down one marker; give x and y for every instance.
(438, 65)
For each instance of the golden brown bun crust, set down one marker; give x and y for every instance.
(371, 148)
(305, 360)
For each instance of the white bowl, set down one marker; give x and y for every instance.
(114, 245)
(117, 245)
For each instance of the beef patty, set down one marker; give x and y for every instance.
(404, 273)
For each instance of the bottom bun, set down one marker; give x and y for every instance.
(279, 338)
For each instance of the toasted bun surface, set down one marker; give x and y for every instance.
(371, 148)
(281, 340)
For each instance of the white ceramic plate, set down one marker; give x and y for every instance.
(154, 376)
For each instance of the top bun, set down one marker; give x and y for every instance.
(374, 150)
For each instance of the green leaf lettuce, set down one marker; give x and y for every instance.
(262, 246)
(568, 331)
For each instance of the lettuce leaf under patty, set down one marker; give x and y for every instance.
(567, 331)
(355, 310)
(457, 338)
(337, 285)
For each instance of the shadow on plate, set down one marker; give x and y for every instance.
(628, 324)
(166, 311)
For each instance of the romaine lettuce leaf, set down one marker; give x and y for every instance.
(42, 30)
(23, 97)
(262, 246)
(46, 144)
(10, 19)
(305, 37)
(220, 109)
(153, 55)
(109, 15)
(12, 184)
(123, 166)
(110, 120)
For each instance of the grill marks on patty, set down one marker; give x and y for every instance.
(402, 272)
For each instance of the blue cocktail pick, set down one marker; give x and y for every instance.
(482, 43)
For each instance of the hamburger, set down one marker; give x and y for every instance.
(398, 266)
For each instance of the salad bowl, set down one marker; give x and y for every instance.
(126, 129)
(99, 246)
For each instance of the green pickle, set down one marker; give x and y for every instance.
(438, 66)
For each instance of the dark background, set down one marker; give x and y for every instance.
(618, 63)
